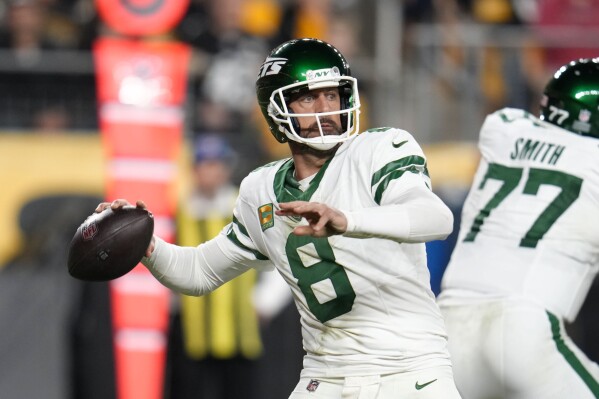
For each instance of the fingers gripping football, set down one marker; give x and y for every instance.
(119, 203)
(323, 221)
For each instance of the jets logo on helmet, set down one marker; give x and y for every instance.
(272, 66)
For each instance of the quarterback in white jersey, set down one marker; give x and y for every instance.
(528, 248)
(344, 221)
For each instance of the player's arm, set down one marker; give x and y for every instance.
(408, 210)
(194, 270)
(418, 216)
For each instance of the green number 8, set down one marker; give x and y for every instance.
(326, 268)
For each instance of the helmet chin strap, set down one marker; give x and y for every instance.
(322, 142)
(317, 143)
(321, 146)
(303, 148)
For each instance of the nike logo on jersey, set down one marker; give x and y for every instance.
(397, 145)
(419, 386)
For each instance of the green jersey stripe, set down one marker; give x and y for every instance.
(570, 357)
(241, 227)
(233, 237)
(394, 170)
(410, 161)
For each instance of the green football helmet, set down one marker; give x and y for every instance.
(301, 65)
(571, 98)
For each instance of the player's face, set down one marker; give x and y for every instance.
(316, 101)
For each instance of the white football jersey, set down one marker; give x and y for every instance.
(530, 224)
(366, 305)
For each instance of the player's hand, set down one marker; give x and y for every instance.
(119, 203)
(323, 221)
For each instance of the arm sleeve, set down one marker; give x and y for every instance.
(411, 215)
(195, 270)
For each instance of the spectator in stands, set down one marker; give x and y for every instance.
(222, 76)
(305, 18)
(32, 90)
(225, 58)
(23, 32)
(209, 340)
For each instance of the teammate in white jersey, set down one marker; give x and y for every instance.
(344, 221)
(528, 248)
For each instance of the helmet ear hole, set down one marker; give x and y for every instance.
(346, 102)
(294, 122)
(344, 120)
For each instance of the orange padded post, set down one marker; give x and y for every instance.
(141, 91)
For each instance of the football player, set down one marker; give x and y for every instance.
(344, 220)
(528, 248)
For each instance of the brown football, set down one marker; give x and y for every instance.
(109, 244)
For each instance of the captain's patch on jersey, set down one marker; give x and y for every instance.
(265, 214)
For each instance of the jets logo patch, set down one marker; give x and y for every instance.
(266, 216)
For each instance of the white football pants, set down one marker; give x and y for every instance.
(515, 349)
(433, 383)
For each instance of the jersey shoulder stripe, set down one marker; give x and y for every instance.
(394, 170)
(391, 152)
(509, 115)
(378, 129)
(232, 236)
(409, 163)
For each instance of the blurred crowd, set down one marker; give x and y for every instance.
(499, 50)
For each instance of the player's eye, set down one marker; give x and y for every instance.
(307, 98)
(332, 94)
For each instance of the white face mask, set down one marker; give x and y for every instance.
(283, 116)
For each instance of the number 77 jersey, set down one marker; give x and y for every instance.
(530, 224)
